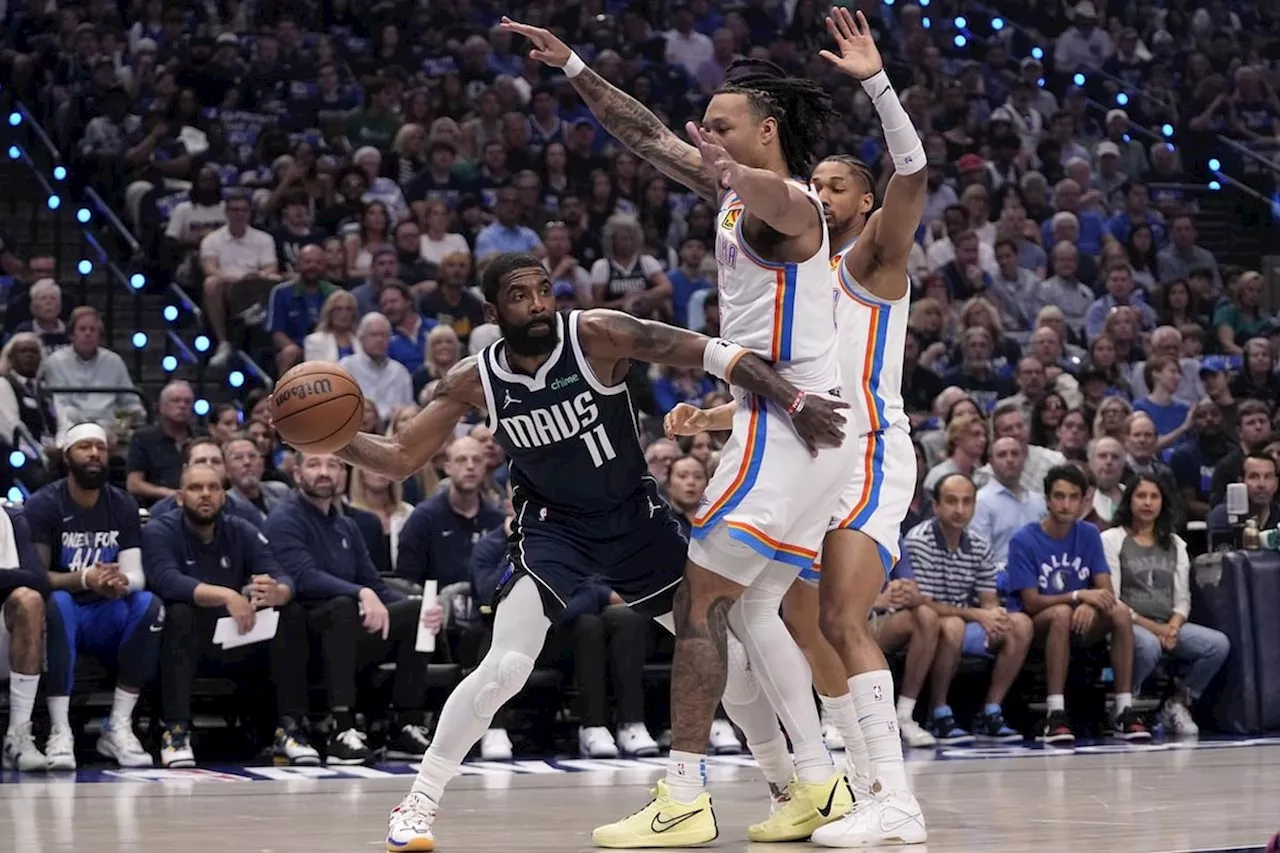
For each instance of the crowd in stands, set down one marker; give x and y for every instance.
(1084, 378)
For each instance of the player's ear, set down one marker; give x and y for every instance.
(868, 202)
(768, 130)
(490, 313)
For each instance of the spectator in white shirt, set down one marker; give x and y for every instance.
(85, 364)
(233, 255)
(384, 381)
(196, 218)
(942, 251)
(1083, 45)
(686, 46)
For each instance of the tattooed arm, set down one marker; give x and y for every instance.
(643, 133)
(614, 335)
(411, 448)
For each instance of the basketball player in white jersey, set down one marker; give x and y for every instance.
(868, 264)
(769, 503)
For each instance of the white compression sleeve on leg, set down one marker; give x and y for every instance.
(519, 631)
(750, 710)
(783, 672)
(901, 138)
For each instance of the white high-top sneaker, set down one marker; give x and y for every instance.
(118, 742)
(20, 752)
(596, 742)
(634, 740)
(882, 818)
(60, 749)
(496, 746)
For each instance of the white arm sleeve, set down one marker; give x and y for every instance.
(1181, 578)
(1112, 540)
(131, 567)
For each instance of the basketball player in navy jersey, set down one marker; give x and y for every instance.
(89, 538)
(585, 506)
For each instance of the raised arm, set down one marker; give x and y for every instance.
(890, 232)
(628, 120)
(617, 336)
(456, 394)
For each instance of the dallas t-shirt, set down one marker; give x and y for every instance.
(1055, 566)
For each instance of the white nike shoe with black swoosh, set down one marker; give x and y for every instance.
(886, 817)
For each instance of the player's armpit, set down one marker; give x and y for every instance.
(409, 450)
(644, 134)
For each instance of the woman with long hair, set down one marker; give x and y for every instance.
(1140, 252)
(626, 278)
(383, 497)
(1102, 358)
(408, 154)
(1112, 419)
(1242, 318)
(223, 422)
(1047, 415)
(335, 334)
(1256, 379)
(374, 233)
(1180, 305)
(1073, 436)
(422, 483)
(1151, 574)
(438, 241)
(1005, 351)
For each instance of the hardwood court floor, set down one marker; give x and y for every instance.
(1140, 801)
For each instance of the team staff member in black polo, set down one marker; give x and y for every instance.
(205, 564)
(359, 620)
(437, 538)
(203, 450)
(155, 452)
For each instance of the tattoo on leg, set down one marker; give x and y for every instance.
(699, 671)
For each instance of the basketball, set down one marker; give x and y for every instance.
(317, 407)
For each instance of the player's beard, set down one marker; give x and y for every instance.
(87, 478)
(327, 491)
(521, 342)
(199, 518)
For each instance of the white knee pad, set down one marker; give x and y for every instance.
(741, 687)
(511, 672)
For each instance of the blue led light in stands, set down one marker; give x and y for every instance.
(1215, 186)
(201, 407)
(15, 495)
(1078, 79)
(997, 24)
(926, 23)
(1122, 99)
(1040, 82)
(171, 313)
(1166, 129)
(17, 459)
(54, 202)
(169, 363)
(14, 152)
(960, 41)
(139, 340)
(1037, 53)
(888, 2)
(137, 281)
(59, 173)
(84, 267)
(1215, 165)
(235, 378)
(82, 215)
(961, 22)
(924, 3)
(15, 119)
(202, 343)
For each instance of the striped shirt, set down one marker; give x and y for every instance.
(950, 577)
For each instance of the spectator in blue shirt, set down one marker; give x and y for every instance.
(1066, 198)
(437, 539)
(1119, 282)
(409, 329)
(1171, 416)
(687, 279)
(293, 309)
(206, 565)
(1004, 504)
(359, 619)
(1058, 569)
(88, 536)
(1194, 460)
(1137, 201)
(23, 587)
(505, 234)
(203, 450)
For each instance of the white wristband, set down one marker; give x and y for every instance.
(574, 66)
(84, 578)
(899, 136)
(719, 357)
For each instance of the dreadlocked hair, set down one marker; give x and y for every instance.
(801, 107)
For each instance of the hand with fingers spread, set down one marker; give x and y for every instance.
(858, 55)
(546, 48)
(716, 162)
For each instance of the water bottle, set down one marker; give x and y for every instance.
(1250, 540)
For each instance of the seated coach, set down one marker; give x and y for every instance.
(204, 450)
(88, 535)
(358, 619)
(206, 564)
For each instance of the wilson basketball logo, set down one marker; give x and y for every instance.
(303, 390)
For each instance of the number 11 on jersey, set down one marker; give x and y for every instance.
(599, 446)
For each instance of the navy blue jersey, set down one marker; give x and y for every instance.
(572, 440)
(78, 538)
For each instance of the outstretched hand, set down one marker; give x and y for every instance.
(716, 162)
(858, 55)
(547, 49)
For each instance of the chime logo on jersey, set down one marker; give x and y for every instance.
(81, 549)
(556, 423)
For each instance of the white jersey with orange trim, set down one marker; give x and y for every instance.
(780, 311)
(872, 336)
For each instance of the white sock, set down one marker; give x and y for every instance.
(775, 761)
(1055, 702)
(1124, 701)
(686, 775)
(873, 698)
(59, 711)
(906, 709)
(845, 717)
(22, 698)
(122, 705)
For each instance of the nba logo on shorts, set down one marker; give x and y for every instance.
(877, 693)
